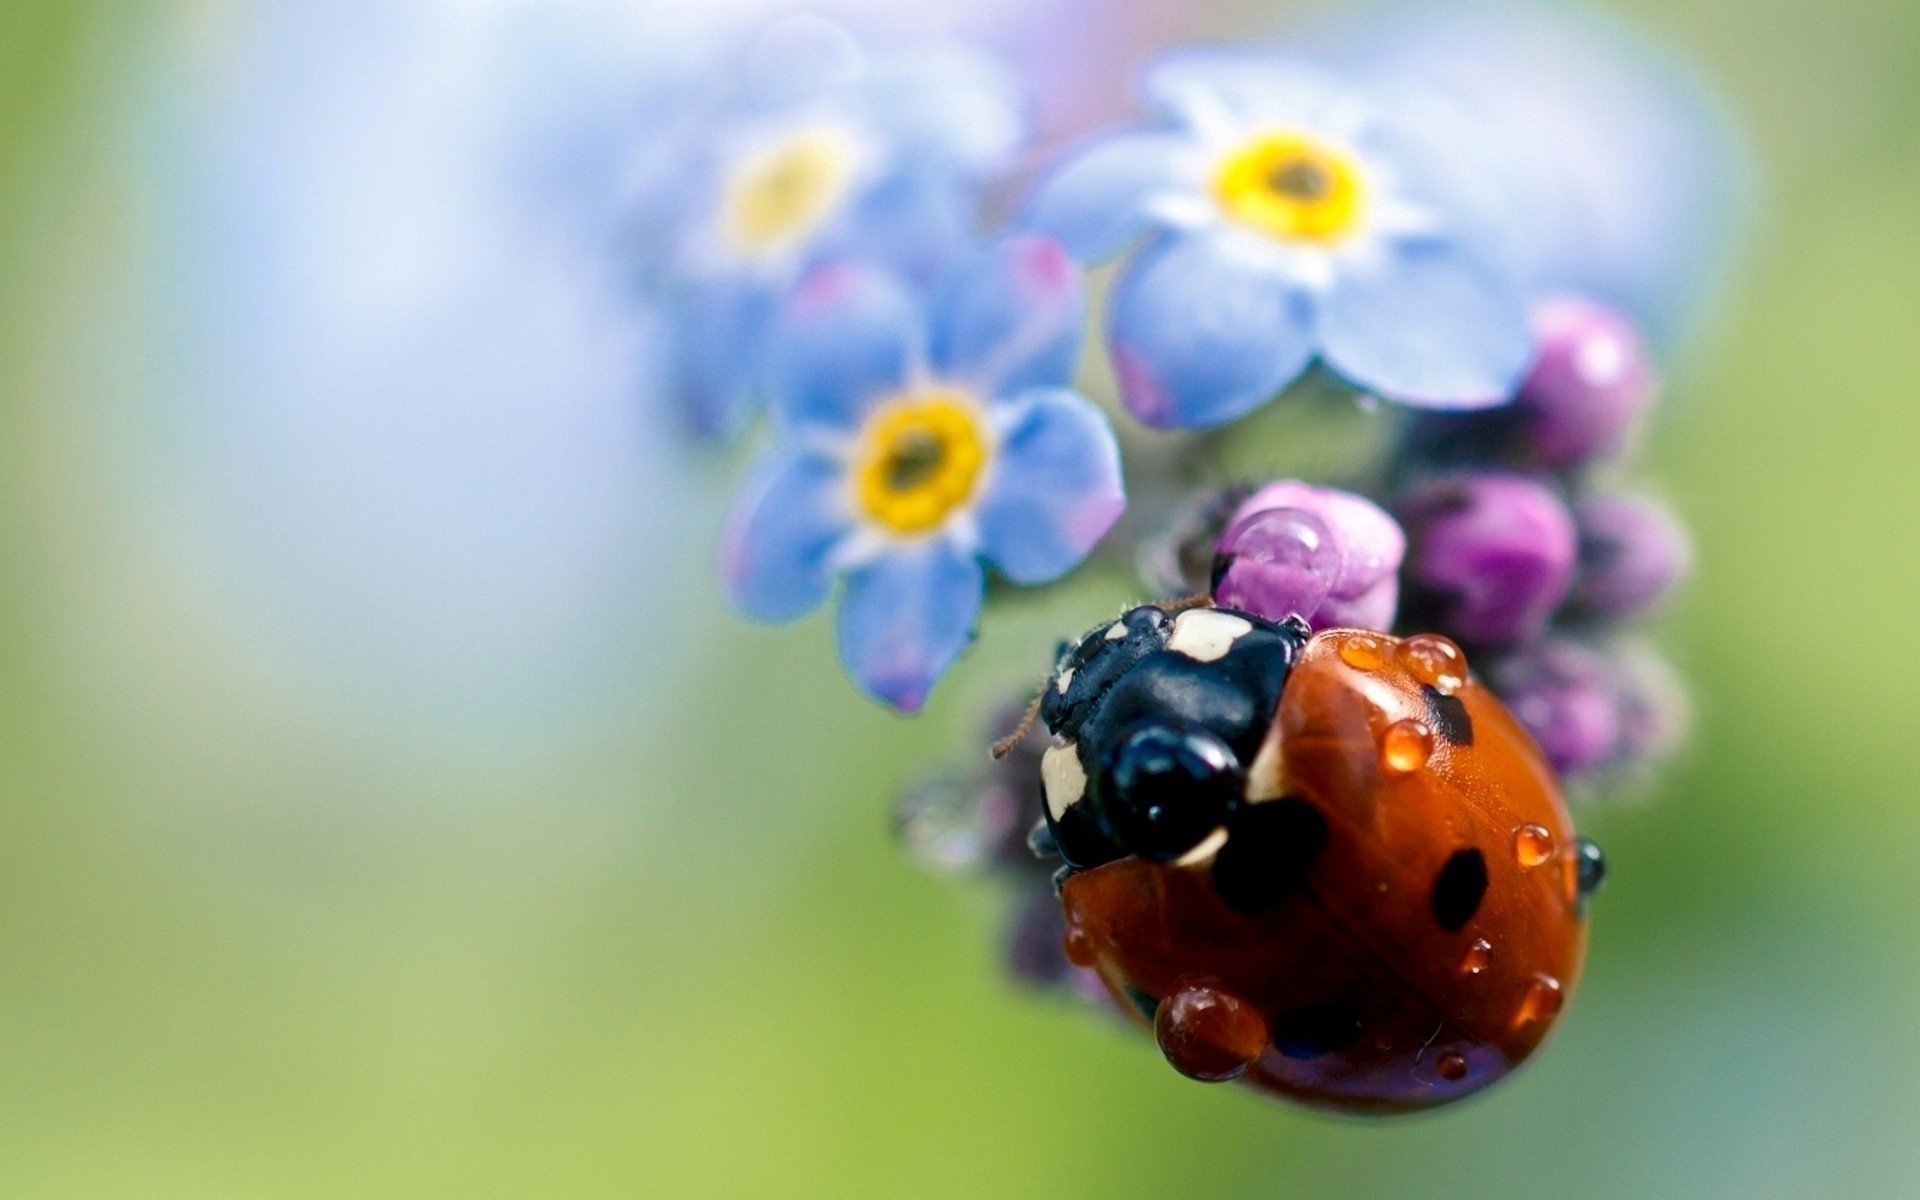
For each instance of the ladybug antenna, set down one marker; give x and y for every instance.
(1005, 745)
(1201, 600)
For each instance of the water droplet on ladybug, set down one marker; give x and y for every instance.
(1532, 845)
(1542, 1001)
(1452, 1066)
(1434, 661)
(1363, 652)
(1478, 957)
(1406, 746)
(1208, 1034)
(1080, 951)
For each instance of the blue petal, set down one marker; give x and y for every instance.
(717, 335)
(775, 554)
(1098, 199)
(950, 105)
(1201, 85)
(907, 617)
(1013, 319)
(1056, 487)
(913, 221)
(1200, 337)
(848, 335)
(1432, 327)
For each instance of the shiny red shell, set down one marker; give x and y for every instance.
(1418, 934)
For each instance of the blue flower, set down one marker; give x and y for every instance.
(918, 442)
(808, 151)
(1287, 218)
(1635, 179)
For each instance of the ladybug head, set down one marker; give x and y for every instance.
(1154, 719)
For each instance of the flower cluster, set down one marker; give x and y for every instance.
(834, 238)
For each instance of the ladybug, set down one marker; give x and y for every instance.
(1332, 866)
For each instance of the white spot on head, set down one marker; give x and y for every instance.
(1208, 847)
(1063, 778)
(1064, 681)
(1263, 777)
(1206, 634)
(1116, 631)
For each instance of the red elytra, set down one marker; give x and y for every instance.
(1397, 926)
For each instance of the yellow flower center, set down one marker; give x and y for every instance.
(921, 457)
(1292, 187)
(779, 196)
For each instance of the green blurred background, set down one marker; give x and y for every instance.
(258, 938)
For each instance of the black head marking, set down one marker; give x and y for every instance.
(1459, 888)
(1270, 847)
(1096, 663)
(1167, 787)
(1311, 1032)
(1448, 716)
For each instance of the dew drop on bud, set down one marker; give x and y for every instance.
(1276, 563)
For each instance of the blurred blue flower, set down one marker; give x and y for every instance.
(917, 441)
(805, 150)
(1288, 217)
(1633, 178)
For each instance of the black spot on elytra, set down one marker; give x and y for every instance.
(1458, 888)
(1310, 1032)
(1448, 716)
(1269, 848)
(1142, 1003)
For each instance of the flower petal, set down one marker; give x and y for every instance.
(1012, 320)
(714, 332)
(1056, 488)
(1200, 337)
(1212, 88)
(949, 106)
(847, 335)
(907, 617)
(1100, 197)
(1431, 327)
(911, 222)
(775, 554)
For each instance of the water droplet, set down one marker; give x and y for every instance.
(1478, 957)
(1079, 948)
(1532, 845)
(1363, 652)
(1406, 746)
(1434, 661)
(1452, 1066)
(1542, 1001)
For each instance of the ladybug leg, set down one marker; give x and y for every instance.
(1208, 1033)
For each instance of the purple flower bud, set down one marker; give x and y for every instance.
(1594, 709)
(1492, 557)
(1565, 695)
(1035, 948)
(1592, 382)
(1326, 555)
(1633, 551)
(1654, 710)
